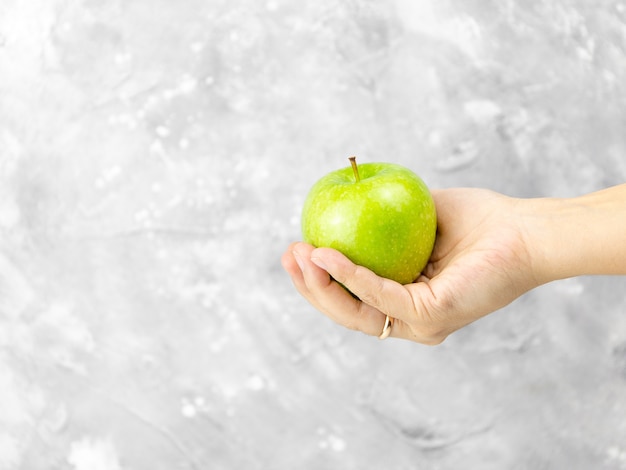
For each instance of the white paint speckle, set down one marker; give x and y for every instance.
(256, 383)
(93, 454)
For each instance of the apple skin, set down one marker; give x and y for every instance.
(386, 222)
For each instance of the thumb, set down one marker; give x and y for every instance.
(387, 296)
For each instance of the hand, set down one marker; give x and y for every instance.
(480, 263)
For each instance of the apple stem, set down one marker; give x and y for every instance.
(355, 168)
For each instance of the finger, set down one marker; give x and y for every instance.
(411, 306)
(306, 274)
(384, 295)
(293, 262)
(332, 299)
(289, 262)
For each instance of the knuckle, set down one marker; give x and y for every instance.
(426, 334)
(370, 298)
(429, 327)
(430, 336)
(434, 339)
(352, 275)
(354, 323)
(370, 287)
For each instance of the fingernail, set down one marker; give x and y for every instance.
(296, 256)
(320, 263)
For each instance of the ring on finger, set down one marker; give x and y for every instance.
(386, 328)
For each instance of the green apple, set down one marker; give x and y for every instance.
(380, 215)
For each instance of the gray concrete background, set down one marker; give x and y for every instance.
(154, 156)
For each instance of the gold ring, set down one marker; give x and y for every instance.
(387, 328)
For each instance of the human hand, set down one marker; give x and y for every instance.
(480, 263)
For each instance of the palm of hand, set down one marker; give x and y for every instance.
(479, 264)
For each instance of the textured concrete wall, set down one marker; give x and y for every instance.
(154, 156)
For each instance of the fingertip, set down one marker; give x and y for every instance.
(320, 257)
(329, 257)
(302, 248)
(323, 251)
(320, 263)
(289, 261)
(289, 264)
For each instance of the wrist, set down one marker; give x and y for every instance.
(552, 238)
(569, 237)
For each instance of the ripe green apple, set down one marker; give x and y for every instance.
(380, 215)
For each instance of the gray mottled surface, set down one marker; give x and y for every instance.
(154, 156)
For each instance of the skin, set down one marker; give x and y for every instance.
(490, 249)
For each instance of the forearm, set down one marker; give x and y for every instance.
(577, 236)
